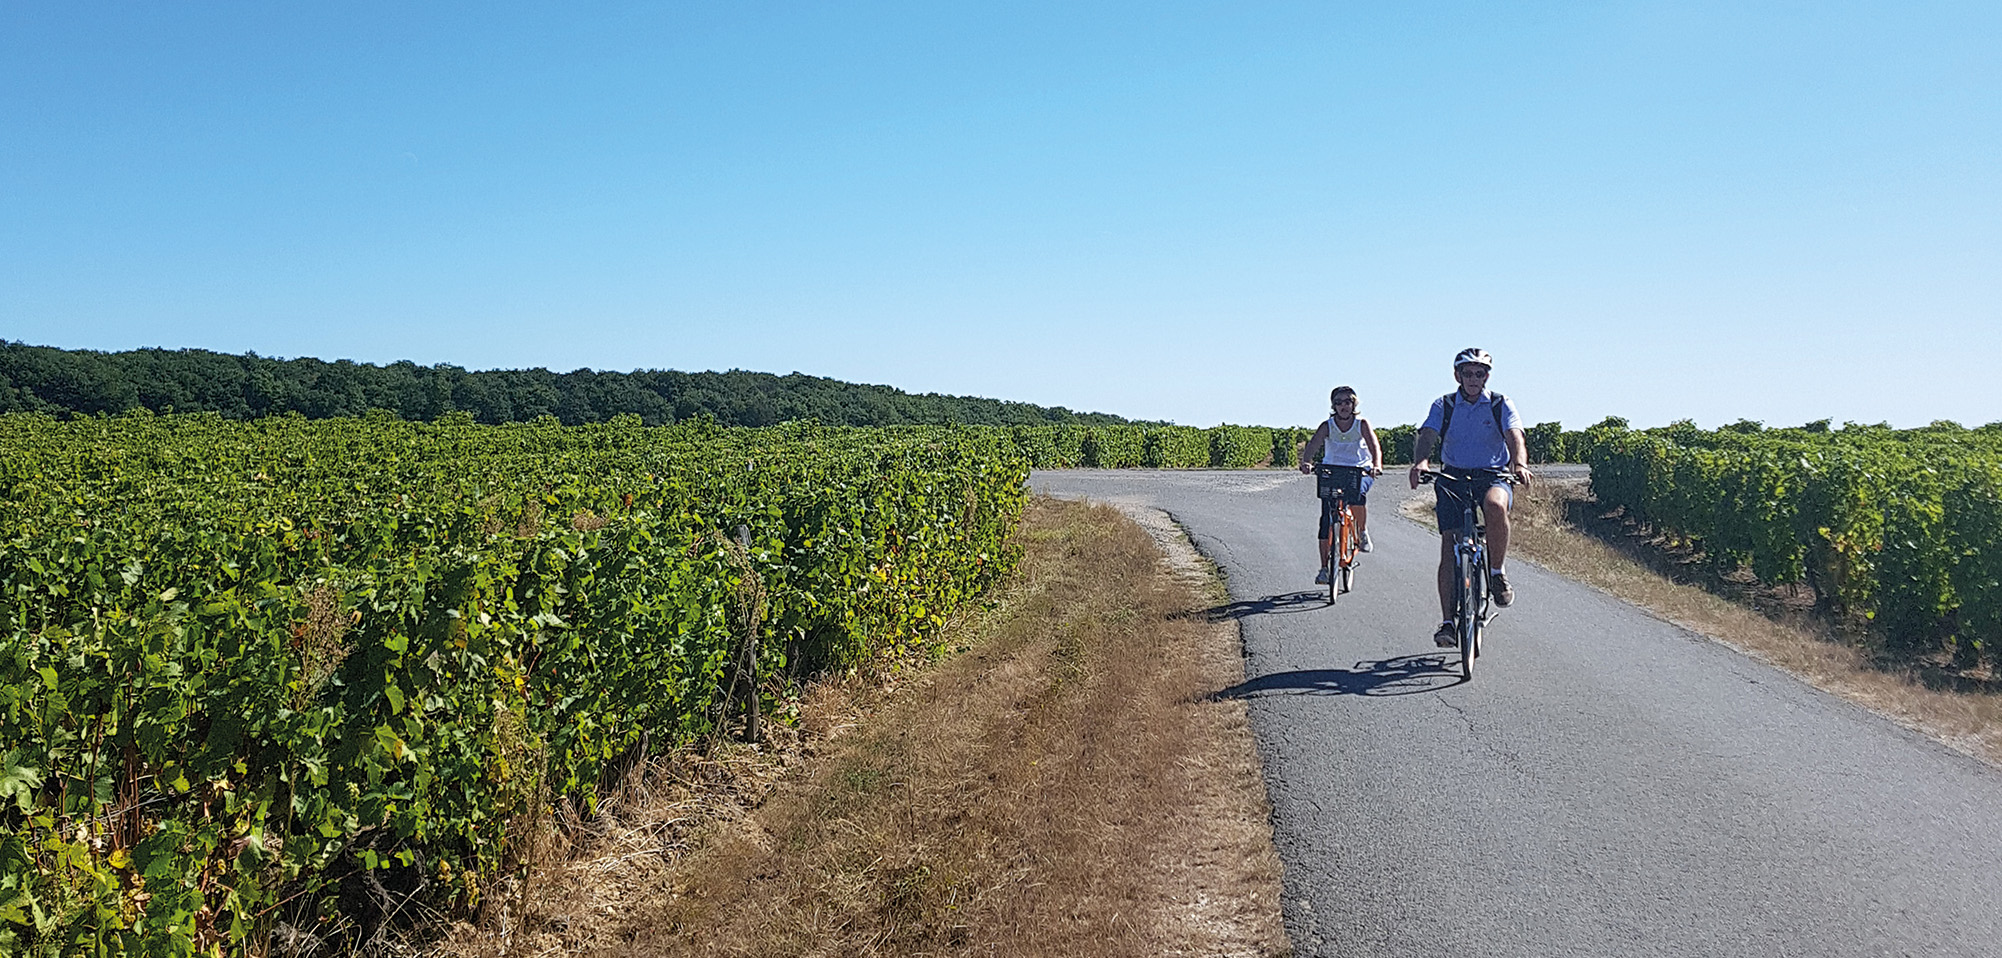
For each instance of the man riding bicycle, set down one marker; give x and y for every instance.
(1479, 436)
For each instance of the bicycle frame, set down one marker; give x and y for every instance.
(1342, 546)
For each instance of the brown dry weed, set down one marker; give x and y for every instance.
(1062, 785)
(1787, 636)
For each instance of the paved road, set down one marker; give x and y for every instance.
(1607, 785)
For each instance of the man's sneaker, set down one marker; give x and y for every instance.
(1321, 577)
(1498, 587)
(1364, 544)
(1444, 636)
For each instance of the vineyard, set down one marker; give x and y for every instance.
(1900, 527)
(1154, 447)
(272, 676)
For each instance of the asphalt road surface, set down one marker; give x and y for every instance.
(1607, 784)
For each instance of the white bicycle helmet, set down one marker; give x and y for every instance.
(1473, 354)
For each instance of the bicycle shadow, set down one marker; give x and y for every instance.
(1404, 675)
(1285, 603)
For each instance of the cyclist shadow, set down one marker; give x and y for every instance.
(1404, 675)
(1285, 603)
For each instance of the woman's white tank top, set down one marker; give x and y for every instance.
(1345, 448)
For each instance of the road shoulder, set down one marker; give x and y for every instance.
(1062, 784)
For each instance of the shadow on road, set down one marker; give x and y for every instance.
(1404, 675)
(1287, 603)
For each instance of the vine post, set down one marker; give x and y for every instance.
(749, 609)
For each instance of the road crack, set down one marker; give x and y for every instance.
(1508, 759)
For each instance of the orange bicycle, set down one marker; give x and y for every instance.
(1339, 520)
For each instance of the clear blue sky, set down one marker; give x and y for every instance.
(1201, 212)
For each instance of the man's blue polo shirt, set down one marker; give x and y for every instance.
(1474, 443)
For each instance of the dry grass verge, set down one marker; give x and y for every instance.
(1785, 634)
(1062, 786)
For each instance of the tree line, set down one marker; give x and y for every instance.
(62, 382)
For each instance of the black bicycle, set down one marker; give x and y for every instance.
(1472, 605)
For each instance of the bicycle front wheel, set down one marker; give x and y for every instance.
(1480, 603)
(1329, 568)
(1345, 549)
(1469, 622)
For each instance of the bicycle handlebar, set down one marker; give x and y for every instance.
(1427, 475)
(1318, 468)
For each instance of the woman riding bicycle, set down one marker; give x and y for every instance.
(1344, 451)
(1482, 439)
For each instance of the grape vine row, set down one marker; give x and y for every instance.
(251, 668)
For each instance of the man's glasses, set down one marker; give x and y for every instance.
(1472, 372)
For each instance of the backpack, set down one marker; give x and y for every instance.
(1495, 401)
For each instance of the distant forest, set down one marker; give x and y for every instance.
(75, 381)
